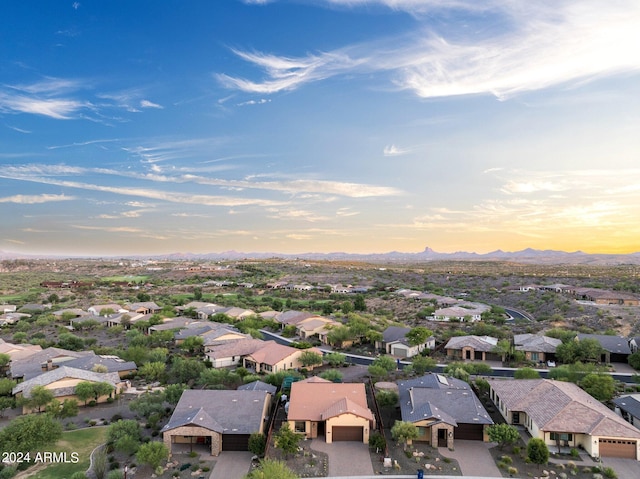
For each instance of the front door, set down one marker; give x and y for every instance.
(442, 438)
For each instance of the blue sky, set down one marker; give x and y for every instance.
(146, 127)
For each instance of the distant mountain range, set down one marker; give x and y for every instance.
(529, 256)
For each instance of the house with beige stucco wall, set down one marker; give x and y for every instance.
(62, 382)
(563, 415)
(274, 357)
(218, 419)
(337, 411)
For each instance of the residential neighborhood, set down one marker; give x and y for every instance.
(193, 371)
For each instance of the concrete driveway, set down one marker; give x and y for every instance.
(473, 457)
(345, 458)
(625, 468)
(231, 465)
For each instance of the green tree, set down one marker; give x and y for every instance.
(404, 431)
(589, 350)
(385, 362)
(61, 410)
(155, 371)
(377, 441)
(193, 345)
(272, 469)
(377, 372)
(39, 397)
(634, 360)
(504, 348)
(537, 451)
(503, 434)
(6, 402)
(5, 359)
(335, 359)
(173, 393)
(125, 435)
(257, 443)
(359, 303)
(309, 359)
(526, 373)
(70, 341)
(30, 432)
(387, 398)
(338, 335)
(346, 307)
(152, 453)
(6, 386)
(418, 335)
(186, 370)
(101, 389)
(422, 364)
(84, 391)
(600, 386)
(287, 440)
(148, 404)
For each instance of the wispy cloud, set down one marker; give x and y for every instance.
(393, 150)
(295, 214)
(35, 172)
(35, 199)
(538, 45)
(289, 73)
(149, 104)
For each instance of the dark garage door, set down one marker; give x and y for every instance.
(473, 432)
(235, 442)
(617, 448)
(347, 433)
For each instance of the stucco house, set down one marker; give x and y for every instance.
(616, 348)
(444, 409)
(461, 312)
(62, 382)
(472, 348)
(315, 326)
(337, 411)
(21, 369)
(536, 347)
(18, 351)
(563, 415)
(231, 353)
(145, 307)
(222, 420)
(395, 343)
(273, 357)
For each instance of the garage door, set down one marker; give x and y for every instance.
(235, 442)
(347, 433)
(617, 448)
(472, 432)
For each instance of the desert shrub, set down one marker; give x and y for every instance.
(609, 473)
(513, 470)
(506, 460)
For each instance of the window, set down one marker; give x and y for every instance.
(300, 426)
(564, 436)
(535, 356)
